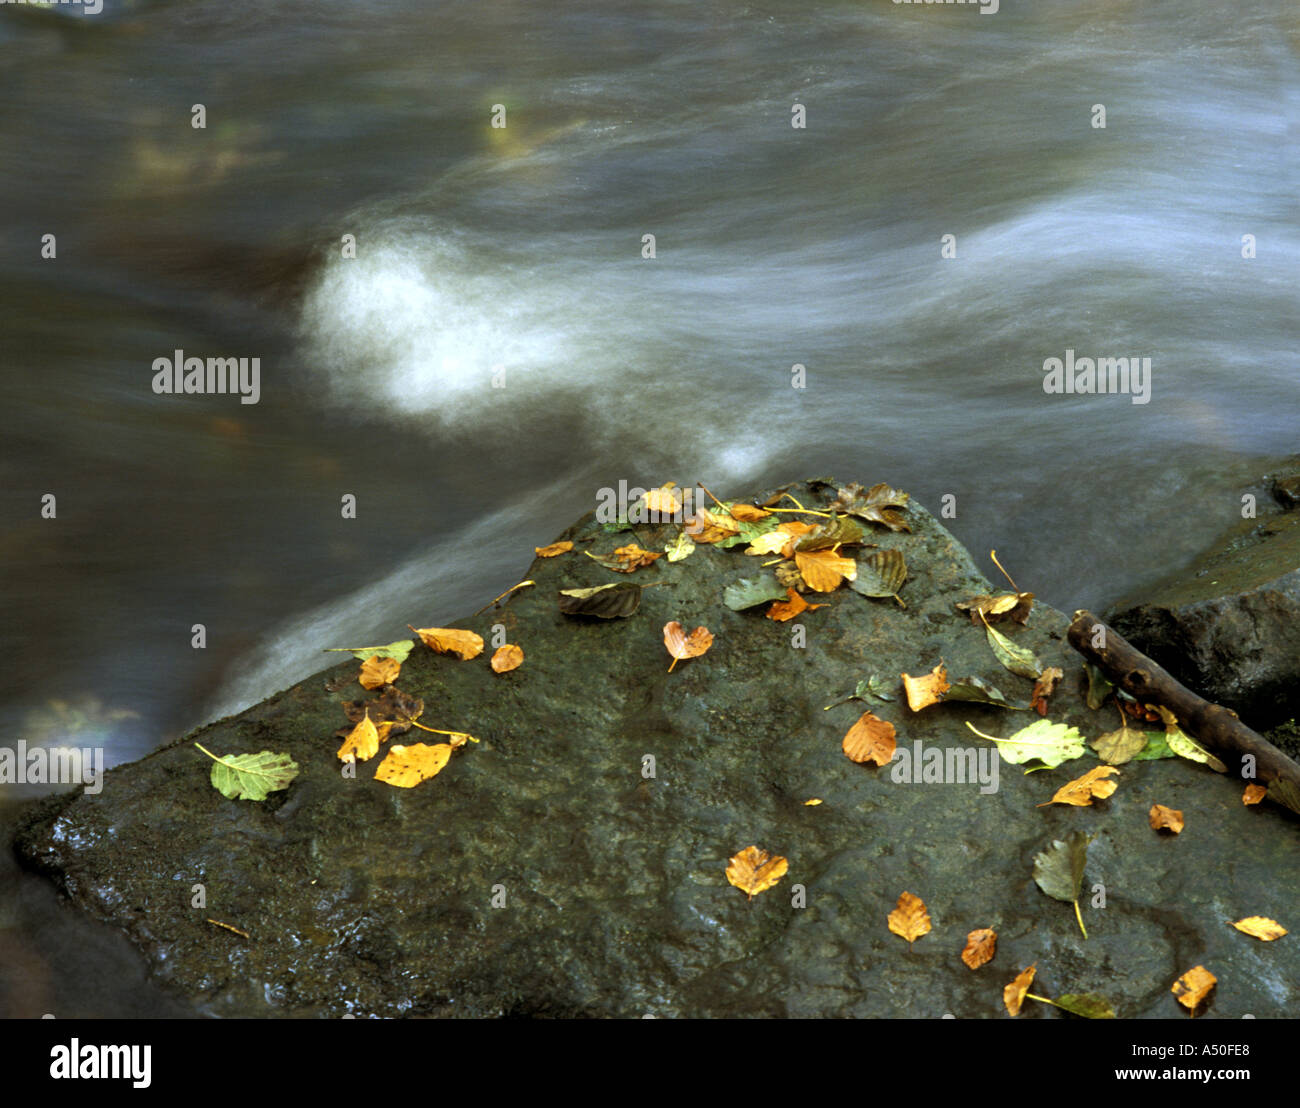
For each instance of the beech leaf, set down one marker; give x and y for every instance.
(616, 601)
(881, 574)
(752, 591)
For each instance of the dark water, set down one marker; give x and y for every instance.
(520, 248)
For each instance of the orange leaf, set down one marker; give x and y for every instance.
(782, 610)
(824, 570)
(910, 919)
(681, 645)
(554, 549)
(1043, 688)
(376, 671)
(980, 947)
(662, 500)
(708, 527)
(445, 640)
(1014, 994)
(362, 741)
(406, 766)
(506, 658)
(1165, 819)
(747, 513)
(1193, 987)
(1261, 927)
(926, 690)
(870, 740)
(1254, 794)
(1081, 790)
(754, 870)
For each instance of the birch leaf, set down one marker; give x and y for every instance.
(251, 776)
(1051, 743)
(910, 918)
(1017, 659)
(754, 870)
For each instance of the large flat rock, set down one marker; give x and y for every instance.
(363, 898)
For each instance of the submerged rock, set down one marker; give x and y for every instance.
(1229, 625)
(573, 862)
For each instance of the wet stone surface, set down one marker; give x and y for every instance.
(367, 899)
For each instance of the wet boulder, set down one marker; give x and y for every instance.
(573, 861)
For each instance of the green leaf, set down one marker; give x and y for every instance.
(251, 776)
(873, 690)
(751, 591)
(1185, 746)
(616, 601)
(1099, 685)
(1089, 1005)
(1156, 747)
(1058, 870)
(1016, 658)
(620, 524)
(880, 574)
(1051, 743)
(681, 549)
(975, 690)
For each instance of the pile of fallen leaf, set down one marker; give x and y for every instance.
(799, 552)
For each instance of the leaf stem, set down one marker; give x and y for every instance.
(1079, 916)
(508, 591)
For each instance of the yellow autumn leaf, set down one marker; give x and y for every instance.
(910, 918)
(377, 671)
(1165, 819)
(754, 870)
(507, 657)
(554, 550)
(1081, 791)
(1261, 927)
(362, 741)
(770, 543)
(662, 500)
(824, 570)
(1253, 794)
(406, 766)
(813, 802)
(1193, 987)
(927, 689)
(451, 640)
(1013, 995)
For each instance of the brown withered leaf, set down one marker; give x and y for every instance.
(615, 601)
(1193, 987)
(1013, 996)
(450, 640)
(554, 550)
(376, 671)
(1165, 819)
(1044, 687)
(1004, 605)
(507, 657)
(980, 947)
(869, 740)
(362, 742)
(1260, 927)
(835, 532)
(391, 711)
(747, 513)
(876, 504)
(1253, 794)
(681, 645)
(406, 766)
(1081, 791)
(754, 870)
(927, 689)
(910, 918)
(708, 526)
(782, 610)
(824, 570)
(627, 559)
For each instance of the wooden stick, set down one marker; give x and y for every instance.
(1217, 728)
